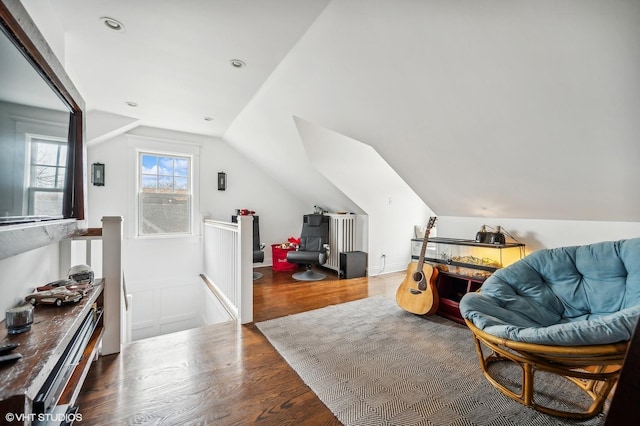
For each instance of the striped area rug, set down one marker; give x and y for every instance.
(372, 363)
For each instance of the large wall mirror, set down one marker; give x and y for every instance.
(34, 140)
(41, 128)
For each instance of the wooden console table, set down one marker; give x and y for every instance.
(56, 356)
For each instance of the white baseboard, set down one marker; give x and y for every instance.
(386, 269)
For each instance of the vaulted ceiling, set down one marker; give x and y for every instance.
(498, 108)
(173, 58)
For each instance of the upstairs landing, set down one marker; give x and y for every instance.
(223, 373)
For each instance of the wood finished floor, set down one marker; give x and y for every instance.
(221, 374)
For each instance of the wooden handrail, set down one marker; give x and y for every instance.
(92, 232)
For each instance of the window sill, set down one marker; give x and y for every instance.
(167, 237)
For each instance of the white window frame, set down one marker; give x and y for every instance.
(156, 146)
(32, 190)
(25, 129)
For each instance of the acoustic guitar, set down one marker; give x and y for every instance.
(417, 293)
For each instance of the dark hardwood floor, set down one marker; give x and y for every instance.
(221, 374)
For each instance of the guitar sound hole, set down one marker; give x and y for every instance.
(418, 278)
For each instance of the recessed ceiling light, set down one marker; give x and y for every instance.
(237, 63)
(112, 24)
(131, 104)
(208, 119)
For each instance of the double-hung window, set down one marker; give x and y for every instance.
(164, 194)
(47, 170)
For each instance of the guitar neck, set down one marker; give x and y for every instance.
(425, 241)
(423, 250)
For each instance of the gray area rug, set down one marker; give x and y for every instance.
(372, 363)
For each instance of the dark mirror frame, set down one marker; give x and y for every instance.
(19, 238)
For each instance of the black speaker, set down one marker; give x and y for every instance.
(353, 264)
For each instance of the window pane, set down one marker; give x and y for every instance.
(182, 167)
(47, 203)
(46, 154)
(165, 166)
(165, 214)
(165, 199)
(149, 164)
(47, 169)
(44, 177)
(165, 184)
(149, 183)
(48, 177)
(181, 184)
(60, 179)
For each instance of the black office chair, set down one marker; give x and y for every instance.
(258, 254)
(314, 247)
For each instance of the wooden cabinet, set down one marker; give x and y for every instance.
(463, 266)
(451, 287)
(56, 356)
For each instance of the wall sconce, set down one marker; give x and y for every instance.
(97, 174)
(222, 181)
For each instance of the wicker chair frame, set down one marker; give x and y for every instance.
(594, 369)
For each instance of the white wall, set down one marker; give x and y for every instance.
(359, 172)
(248, 186)
(20, 274)
(162, 274)
(540, 234)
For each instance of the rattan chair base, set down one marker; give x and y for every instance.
(594, 369)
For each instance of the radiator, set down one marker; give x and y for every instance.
(342, 238)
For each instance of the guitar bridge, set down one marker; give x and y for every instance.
(415, 291)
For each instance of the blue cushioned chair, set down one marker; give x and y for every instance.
(569, 311)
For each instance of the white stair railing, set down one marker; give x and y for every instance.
(228, 260)
(105, 259)
(113, 291)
